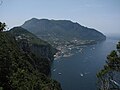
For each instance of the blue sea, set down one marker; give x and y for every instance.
(78, 72)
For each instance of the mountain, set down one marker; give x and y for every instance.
(20, 69)
(64, 35)
(62, 30)
(37, 46)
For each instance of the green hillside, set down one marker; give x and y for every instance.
(22, 70)
(37, 46)
(62, 29)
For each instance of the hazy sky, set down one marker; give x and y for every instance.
(103, 15)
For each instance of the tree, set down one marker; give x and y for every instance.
(109, 76)
(2, 26)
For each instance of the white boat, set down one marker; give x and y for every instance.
(54, 70)
(59, 73)
(81, 75)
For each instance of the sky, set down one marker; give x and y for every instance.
(103, 15)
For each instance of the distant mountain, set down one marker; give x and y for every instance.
(62, 30)
(63, 35)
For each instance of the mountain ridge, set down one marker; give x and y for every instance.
(63, 34)
(64, 28)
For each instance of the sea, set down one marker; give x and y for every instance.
(78, 72)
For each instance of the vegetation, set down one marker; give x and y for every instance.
(39, 47)
(109, 77)
(62, 30)
(2, 26)
(22, 70)
(20, 33)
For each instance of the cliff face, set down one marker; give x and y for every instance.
(44, 51)
(42, 63)
(20, 69)
(39, 47)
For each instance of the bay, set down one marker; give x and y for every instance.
(78, 72)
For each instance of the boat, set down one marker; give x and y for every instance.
(59, 73)
(54, 70)
(81, 75)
